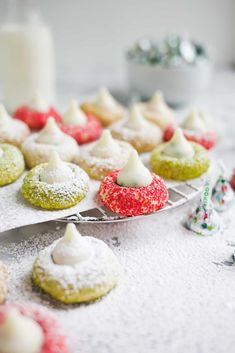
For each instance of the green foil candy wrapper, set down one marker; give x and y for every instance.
(205, 220)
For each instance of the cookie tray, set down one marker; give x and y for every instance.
(178, 195)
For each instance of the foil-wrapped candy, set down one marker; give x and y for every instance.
(174, 51)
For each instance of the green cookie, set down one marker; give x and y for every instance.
(11, 163)
(83, 282)
(58, 195)
(180, 169)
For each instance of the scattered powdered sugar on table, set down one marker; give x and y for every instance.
(20, 258)
(175, 295)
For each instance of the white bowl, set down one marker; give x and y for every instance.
(179, 85)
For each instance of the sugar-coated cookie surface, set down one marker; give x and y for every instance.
(56, 184)
(103, 156)
(179, 159)
(12, 131)
(11, 164)
(36, 113)
(142, 134)
(82, 127)
(133, 201)
(76, 268)
(38, 147)
(180, 169)
(207, 140)
(196, 128)
(30, 328)
(157, 111)
(104, 107)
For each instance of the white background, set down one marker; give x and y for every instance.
(90, 36)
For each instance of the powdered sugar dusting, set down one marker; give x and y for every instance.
(178, 290)
(117, 161)
(11, 163)
(100, 268)
(150, 133)
(13, 132)
(175, 294)
(36, 152)
(18, 212)
(66, 191)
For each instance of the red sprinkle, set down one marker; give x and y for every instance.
(133, 201)
(55, 342)
(84, 133)
(34, 119)
(207, 139)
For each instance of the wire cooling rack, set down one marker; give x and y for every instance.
(178, 195)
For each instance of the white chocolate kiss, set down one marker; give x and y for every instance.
(178, 146)
(1, 152)
(105, 100)
(194, 122)
(136, 120)
(106, 146)
(74, 115)
(157, 103)
(157, 100)
(38, 103)
(56, 171)
(72, 248)
(134, 174)
(51, 133)
(20, 334)
(5, 118)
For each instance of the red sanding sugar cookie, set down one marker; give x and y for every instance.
(84, 133)
(133, 201)
(34, 119)
(207, 139)
(55, 341)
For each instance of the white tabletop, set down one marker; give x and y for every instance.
(177, 293)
